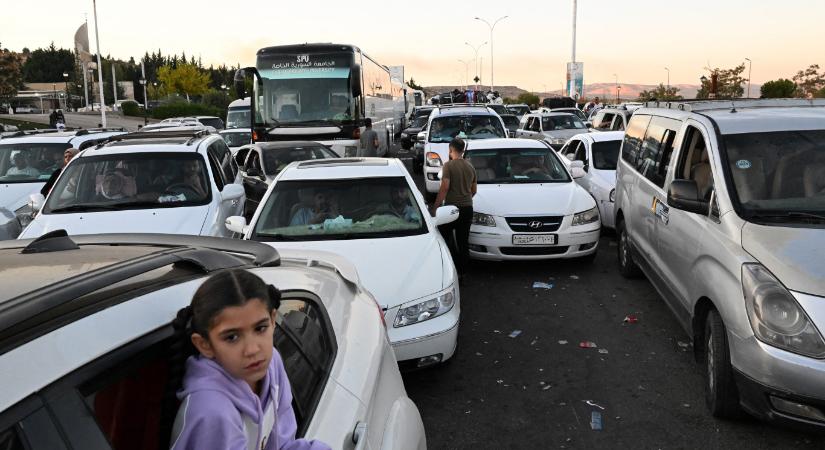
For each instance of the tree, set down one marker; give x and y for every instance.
(48, 65)
(781, 88)
(11, 79)
(661, 92)
(809, 82)
(528, 98)
(413, 85)
(184, 79)
(728, 83)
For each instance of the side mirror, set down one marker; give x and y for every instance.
(240, 83)
(232, 191)
(577, 172)
(355, 80)
(684, 195)
(237, 224)
(254, 172)
(445, 215)
(36, 202)
(574, 163)
(420, 137)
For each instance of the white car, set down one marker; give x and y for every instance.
(27, 161)
(236, 138)
(528, 205)
(369, 211)
(175, 182)
(471, 122)
(598, 153)
(92, 360)
(554, 127)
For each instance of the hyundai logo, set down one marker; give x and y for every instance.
(535, 224)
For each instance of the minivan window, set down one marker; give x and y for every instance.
(656, 149)
(633, 138)
(778, 173)
(605, 154)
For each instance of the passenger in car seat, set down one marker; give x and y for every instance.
(235, 393)
(701, 173)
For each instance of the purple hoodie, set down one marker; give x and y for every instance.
(219, 411)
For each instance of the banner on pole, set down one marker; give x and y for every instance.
(575, 79)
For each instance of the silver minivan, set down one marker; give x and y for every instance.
(722, 206)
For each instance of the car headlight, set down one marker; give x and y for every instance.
(556, 141)
(776, 317)
(25, 215)
(485, 220)
(426, 310)
(613, 196)
(433, 160)
(586, 217)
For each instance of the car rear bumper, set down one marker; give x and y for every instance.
(498, 246)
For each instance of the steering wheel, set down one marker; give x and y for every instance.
(182, 188)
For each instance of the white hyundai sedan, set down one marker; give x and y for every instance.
(598, 154)
(369, 211)
(528, 205)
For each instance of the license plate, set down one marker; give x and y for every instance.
(534, 239)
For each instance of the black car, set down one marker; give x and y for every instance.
(420, 111)
(511, 122)
(409, 134)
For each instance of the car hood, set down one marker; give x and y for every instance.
(187, 220)
(551, 199)
(392, 279)
(563, 134)
(793, 255)
(15, 195)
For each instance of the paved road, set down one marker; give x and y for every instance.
(84, 120)
(529, 391)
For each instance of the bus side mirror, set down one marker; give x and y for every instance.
(355, 80)
(240, 83)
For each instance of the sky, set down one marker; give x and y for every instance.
(633, 39)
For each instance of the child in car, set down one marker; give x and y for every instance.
(235, 394)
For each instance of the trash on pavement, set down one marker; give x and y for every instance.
(683, 345)
(596, 421)
(542, 285)
(514, 333)
(587, 344)
(630, 318)
(603, 351)
(546, 387)
(592, 403)
(562, 342)
(574, 277)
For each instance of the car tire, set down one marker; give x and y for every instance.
(627, 267)
(721, 394)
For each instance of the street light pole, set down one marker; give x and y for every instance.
(466, 72)
(66, 81)
(99, 69)
(616, 83)
(492, 27)
(668, 83)
(750, 67)
(476, 49)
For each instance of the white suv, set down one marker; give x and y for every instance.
(89, 358)
(450, 121)
(165, 182)
(27, 161)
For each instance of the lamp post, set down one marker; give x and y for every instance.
(492, 27)
(616, 83)
(466, 72)
(667, 91)
(476, 49)
(618, 95)
(78, 90)
(66, 81)
(145, 106)
(54, 96)
(750, 67)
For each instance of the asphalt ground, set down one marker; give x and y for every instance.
(531, 390)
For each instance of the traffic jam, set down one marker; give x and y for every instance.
(340, 263)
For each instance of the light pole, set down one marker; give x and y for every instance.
(667, 91)
(618, 95)
(476, 49)
(466, 72)
(143, 86)
(750, 67)
(99, 69)
(616, 83)
(492, 27)
(66, 81)
(571, 89)
(54, 94)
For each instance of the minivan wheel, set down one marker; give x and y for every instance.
(627, 267)
(720, 388)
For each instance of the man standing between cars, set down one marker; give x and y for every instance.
(368, 147)
(67, 156)
(458, 186)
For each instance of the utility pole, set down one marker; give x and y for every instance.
(114, 86)
(99, 69)
(476, 49)
(492, 60)
(750, 67)
(145, 84)
(667, 92)
(572, 88)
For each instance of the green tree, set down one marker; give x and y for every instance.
(185, 79)
(11, 78)
(661, 92)
(528, 98)
(414, 85)
(781, 88)
(48, 65)
(729, 83)
(809, 82)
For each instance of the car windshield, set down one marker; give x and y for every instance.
(30, 162)
(444, 129)
(778, 172)
(131, 181)
(499, 109)
(238, 117)
(606, 154)
(275, 159)
(237, 139)
(520, 110)
(420, 122)
(565, 122)
(510, 121)
(517, 165)
(363, 208)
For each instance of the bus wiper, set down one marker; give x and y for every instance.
(309, 122)
(275, 124)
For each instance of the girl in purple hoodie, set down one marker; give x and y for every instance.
(235, 394)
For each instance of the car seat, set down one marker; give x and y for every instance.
(751, 182)
(483, 170)
(702, 174)
(788, 180)
(814, 179)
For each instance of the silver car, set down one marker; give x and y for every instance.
(722, 206)
(555, 128)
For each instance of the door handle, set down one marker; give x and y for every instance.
(359, 436)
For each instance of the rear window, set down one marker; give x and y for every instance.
(605, 154)
(214, 122)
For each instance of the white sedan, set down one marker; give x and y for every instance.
(369, 211)
(598, 153)
(527, 205)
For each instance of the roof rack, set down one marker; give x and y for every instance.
(710, 105)
(460, 105)
(86, 131)
(23, 133)
(140, 135)
(342, 162)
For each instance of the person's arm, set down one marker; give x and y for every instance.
(442, 191)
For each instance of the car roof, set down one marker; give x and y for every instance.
(343, 168)
(551, 114)
(63, 137)
(275, 145)
(462, 110)
(604, 136)
(481, 144)
(141, 142)
(235, 130)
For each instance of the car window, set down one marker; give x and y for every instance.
(236, 139)
(215, 167)
(276, 159)
(605, 154)
(694, 162)
(10, 439)
(306, 344)
(569, 149)
(633, 139)
(27, 429)
(30, 162)
(253, 161)
(477, 126)
(657, 146)
(224, 157)
(618, 123)
(603, 121)
(517, 165)
(240, 156)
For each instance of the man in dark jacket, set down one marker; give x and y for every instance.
(67, 156)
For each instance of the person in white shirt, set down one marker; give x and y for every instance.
(22, 167)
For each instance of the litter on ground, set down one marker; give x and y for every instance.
(587, 344)
(542, 285)
(596, 421)
(630, 318)
(514, 333)
(562, 342)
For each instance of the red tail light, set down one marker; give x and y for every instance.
(254, 136)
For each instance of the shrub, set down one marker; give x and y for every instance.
(131, 108)
(179, 109)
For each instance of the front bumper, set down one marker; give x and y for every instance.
(496, 243)
(755, 398)
(438, 336)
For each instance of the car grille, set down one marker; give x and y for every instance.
(522, 224)
(533, 251)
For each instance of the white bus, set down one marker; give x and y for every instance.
(238, 115)
(323, 93)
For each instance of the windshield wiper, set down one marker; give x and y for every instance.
(280, 237)
(798, 215)
(83, 207)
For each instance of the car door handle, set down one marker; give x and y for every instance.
(359, 436)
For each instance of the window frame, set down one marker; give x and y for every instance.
(27, 410)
